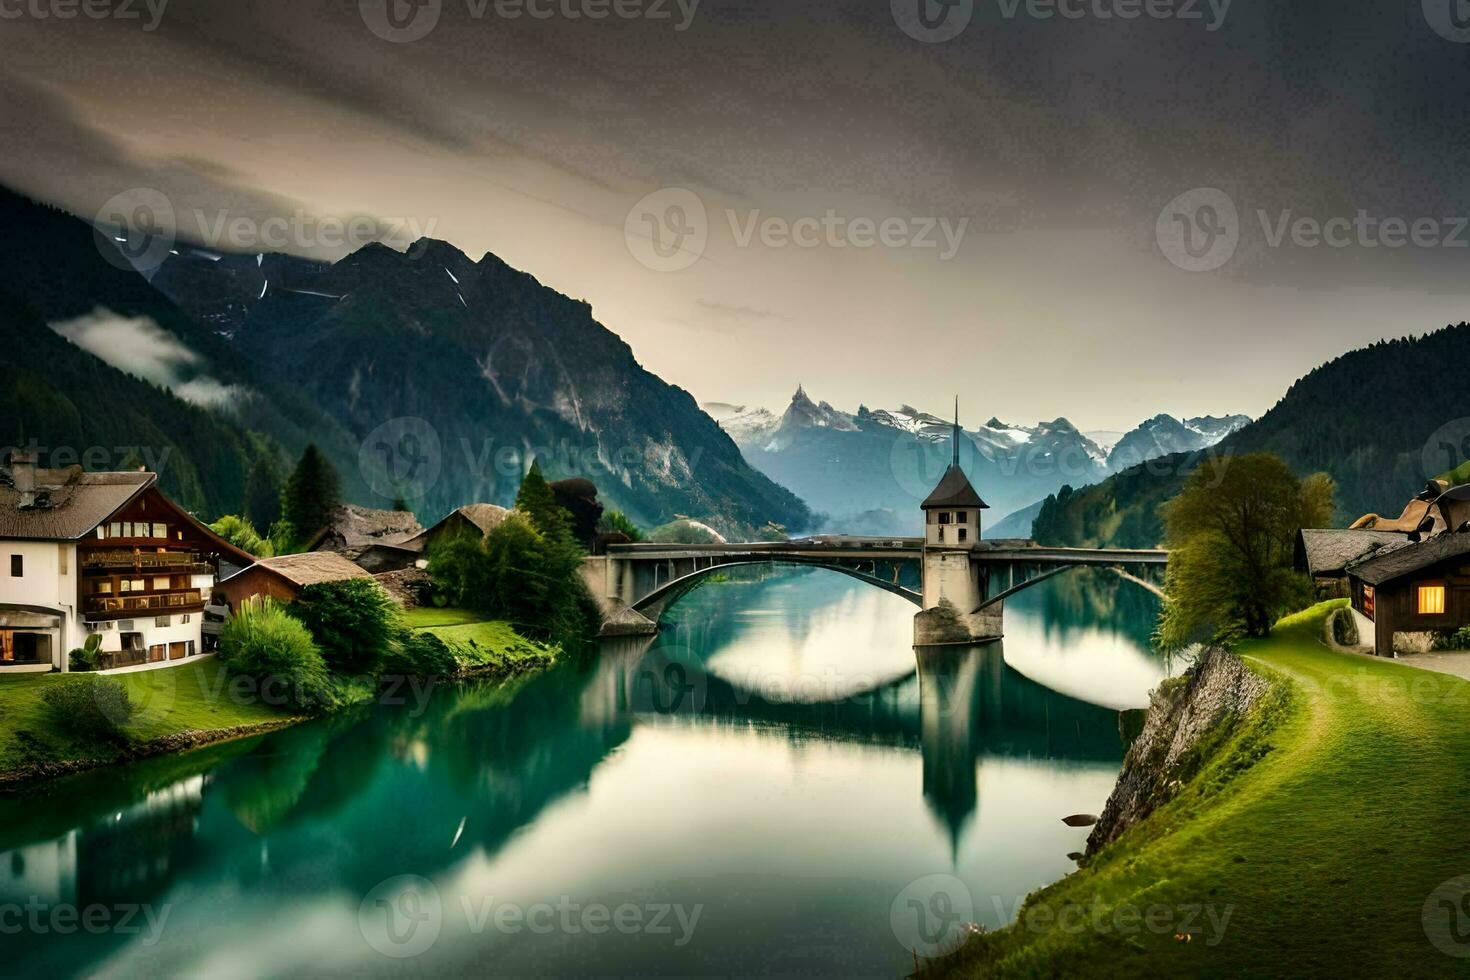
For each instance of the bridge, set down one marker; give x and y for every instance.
(636, 583)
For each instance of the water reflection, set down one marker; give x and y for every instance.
(778, 756)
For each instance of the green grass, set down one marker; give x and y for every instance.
(1322, 824)
(487, 643)
(193, 696)
(425, 616)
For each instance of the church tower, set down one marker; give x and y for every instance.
(951, 532)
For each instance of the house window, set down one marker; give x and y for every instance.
(61, 559)
(102, 587)
(959, 517)
(962, 534)
(162, 621)
(1368, 601)
(944, 517)
(17, 566)
(162, 583)
(184, 618)
(160, 530)
(115, 530)
(1431, 600)
(941, 535)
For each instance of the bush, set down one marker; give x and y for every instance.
(92, 707)
(85, 656)
(420, 654)
(353, 622)
(264, 641)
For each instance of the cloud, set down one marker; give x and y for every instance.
(139, 346)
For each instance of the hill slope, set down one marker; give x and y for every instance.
(1380, 420)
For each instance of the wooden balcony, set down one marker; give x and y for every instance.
(155, 602)
(181, 562)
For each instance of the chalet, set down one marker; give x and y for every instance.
(371, 538)
(105, 554)
(284, 576)
(474, 519)
(1408, 580)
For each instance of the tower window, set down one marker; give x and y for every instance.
(944, 517)
(941, 534)
(962, 534)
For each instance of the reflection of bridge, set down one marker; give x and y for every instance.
(636, 583)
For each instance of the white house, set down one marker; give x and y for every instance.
(103, 553)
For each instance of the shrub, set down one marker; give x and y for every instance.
(420, 654)
(353, 622)
(85, 657)
(91, 707)
(263, 641)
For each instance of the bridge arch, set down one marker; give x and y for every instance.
(654, 604)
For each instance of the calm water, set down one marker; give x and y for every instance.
(773, 785)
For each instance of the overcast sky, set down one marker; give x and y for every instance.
(987, 213)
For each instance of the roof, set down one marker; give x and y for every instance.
(309, 568)
(954, 490)
(70, 503)
(1399, 560)
(1327, 551)
(362, 527)
(486, 517)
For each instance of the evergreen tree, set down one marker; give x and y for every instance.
(263, 491)
(310, 493)
(537, 501)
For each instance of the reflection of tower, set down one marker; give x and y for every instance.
(948, 681)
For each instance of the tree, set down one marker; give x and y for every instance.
(616, 522)
(353, 622)
(310, 493)
(242, 534)
(537, 501)
(263, 491)
(1231, 534)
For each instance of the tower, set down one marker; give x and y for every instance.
(951, 532)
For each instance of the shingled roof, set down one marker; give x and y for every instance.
(309, 568)
(1328, 551)
(350, 530)
(68, 503)
(954, 490)
(1399, 560)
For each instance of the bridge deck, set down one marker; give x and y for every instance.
(998, 551)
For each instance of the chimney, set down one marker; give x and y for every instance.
(23, 473)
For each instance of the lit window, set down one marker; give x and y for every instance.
(1431, 600)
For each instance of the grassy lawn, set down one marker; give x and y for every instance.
(193, 696)
(425, 616)
(1323, 851)
(481, 643)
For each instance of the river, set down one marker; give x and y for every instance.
(776, 784)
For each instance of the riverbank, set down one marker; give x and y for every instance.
(193, 705)
(1310, 842)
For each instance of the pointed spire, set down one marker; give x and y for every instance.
(956, 430)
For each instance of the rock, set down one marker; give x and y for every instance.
(1075, 856)
(1218, 689)
(1080, 820)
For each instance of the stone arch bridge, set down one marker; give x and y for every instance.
(635, 583)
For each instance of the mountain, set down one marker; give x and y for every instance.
(1381, 420)
(220, 359)
(867, 472)
(103, 369)
(498, 368)
(1164, 435)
